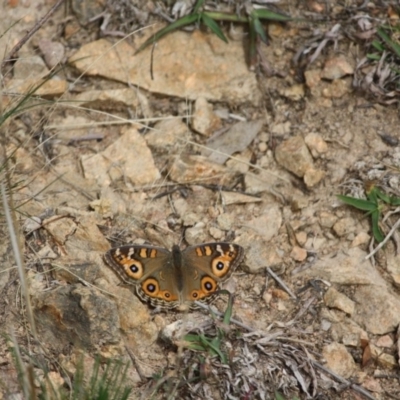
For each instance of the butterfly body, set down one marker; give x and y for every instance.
(174, 279)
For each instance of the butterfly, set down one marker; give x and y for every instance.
(176, 278)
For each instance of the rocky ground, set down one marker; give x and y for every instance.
(184, 143)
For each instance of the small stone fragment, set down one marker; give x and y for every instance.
(225, 221)
(295, 92)
(337, 89)
(204, 120)
(127, 157)
(383, 359)
(313, 78)
(301, 238)
(339, 360)
(335, 299)
(198, 168)
(237, 138)
(385, 341)
(167, 134)
(344, 226)
(281, 129)
(313, 176)
(327, 219)
(298, 253)
(316, 144)
(293, 155)
(336, 68)
(53, 52)
(216, 233)
(361, 238)
(29, 66)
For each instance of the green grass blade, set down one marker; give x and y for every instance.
(263, 13)
(214, 27)
(360, 204)
(214, 348)
(375, 226)
(393, 45)
(221, 16)
(198, 5)
(181, 22)
(383, 196)
(252, 45)
(374, 57)
(372, 194)
(376, 44)
(259, 29)
(229, 308)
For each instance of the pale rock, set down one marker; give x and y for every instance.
(194, 168)
(128, 157)
(112, 99)
(393, 268)
(339, 360)
(216, 233)
(118, 205)
(53, 52)
(266, 224)
(60, 228)
(383, 359)
(313, 79)
(29, 66)
(361, 238)
(237, 138)
(301, 238)
(181, 206)
(327, 219)
(316, 144)
(240, 164)
(281, 129)
(102, 207)
(331, 315)
(336, 67)
(348, 332)
(338, 88)
(181, 66)
(335, 299)
(238, 198)
(344, 226)
(262, 254)
(204, 121)
(190, 219)
(293, 155)
(295, 92)
(48, 88)
(344, 268)
(313, 176)
(373, 385)
(262, 147)
(385, 341)
(378, 310)
(24, 159)
(261, 182)
(315, 243)
(298, 254)
(325, 325)
(167, 134)
(196, 234)
(299, 201)
(225, 221)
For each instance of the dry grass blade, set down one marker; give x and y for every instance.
(18, 259)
